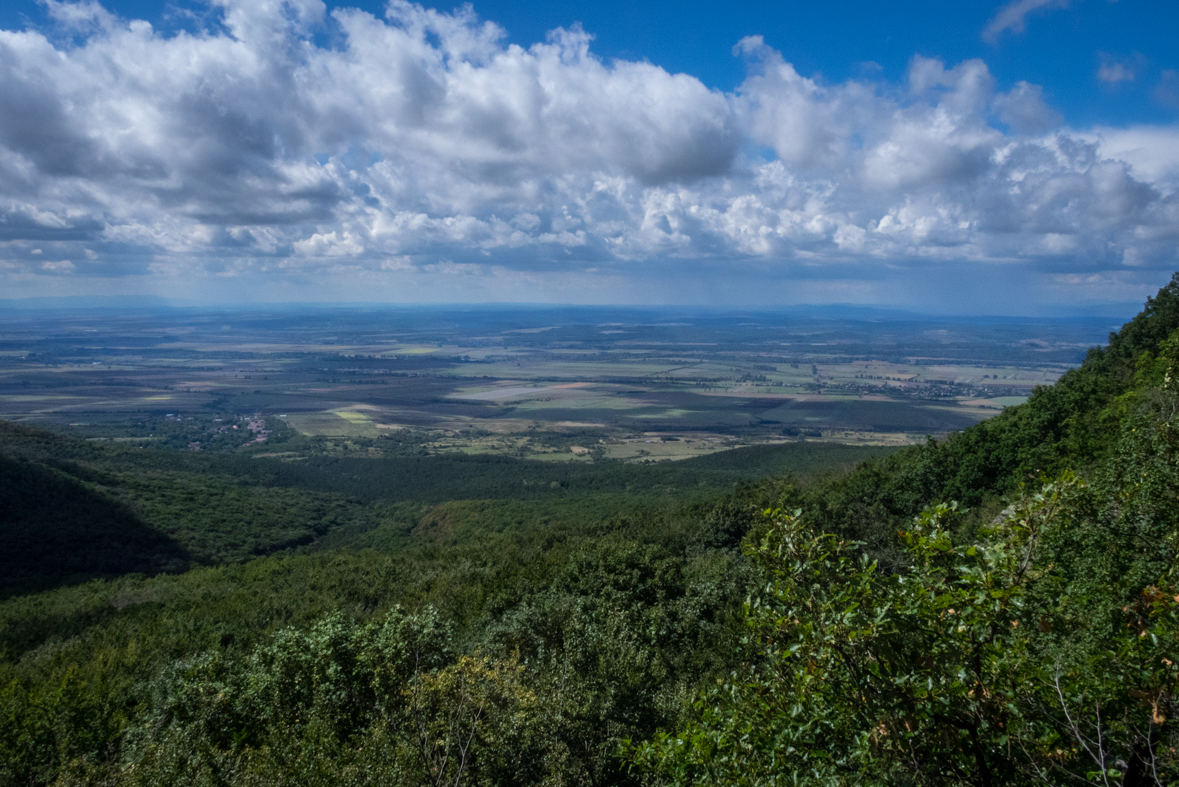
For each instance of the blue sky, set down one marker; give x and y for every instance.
(1014, 157)
(1062, 46)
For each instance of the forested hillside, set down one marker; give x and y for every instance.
(585, 574)
(77, 510)
(1009, 614)
(1000, 607)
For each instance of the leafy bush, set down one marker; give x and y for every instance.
(1042, 652)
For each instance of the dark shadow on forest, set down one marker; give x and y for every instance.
(58, 531)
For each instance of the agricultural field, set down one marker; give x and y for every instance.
(558, 384)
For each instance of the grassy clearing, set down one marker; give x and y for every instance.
(1008, 401)
(656, 448)
(353, 417)
(334, 424)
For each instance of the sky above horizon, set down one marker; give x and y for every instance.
(977, 157)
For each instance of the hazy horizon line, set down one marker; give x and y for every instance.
(1083, 310)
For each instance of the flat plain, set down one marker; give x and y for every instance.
(573, 384)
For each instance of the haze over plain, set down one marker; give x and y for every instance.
(989, 158)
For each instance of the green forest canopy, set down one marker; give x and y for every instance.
(1000, 607)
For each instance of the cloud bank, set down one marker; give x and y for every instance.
(285, 142)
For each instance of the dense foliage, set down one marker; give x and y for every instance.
(608, 633)
(1043, 652)
(997, 608)
(1037, 648)
(604, 606)
(76, 510)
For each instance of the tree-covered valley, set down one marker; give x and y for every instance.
(996, 607)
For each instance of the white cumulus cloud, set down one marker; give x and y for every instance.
(421, 144)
